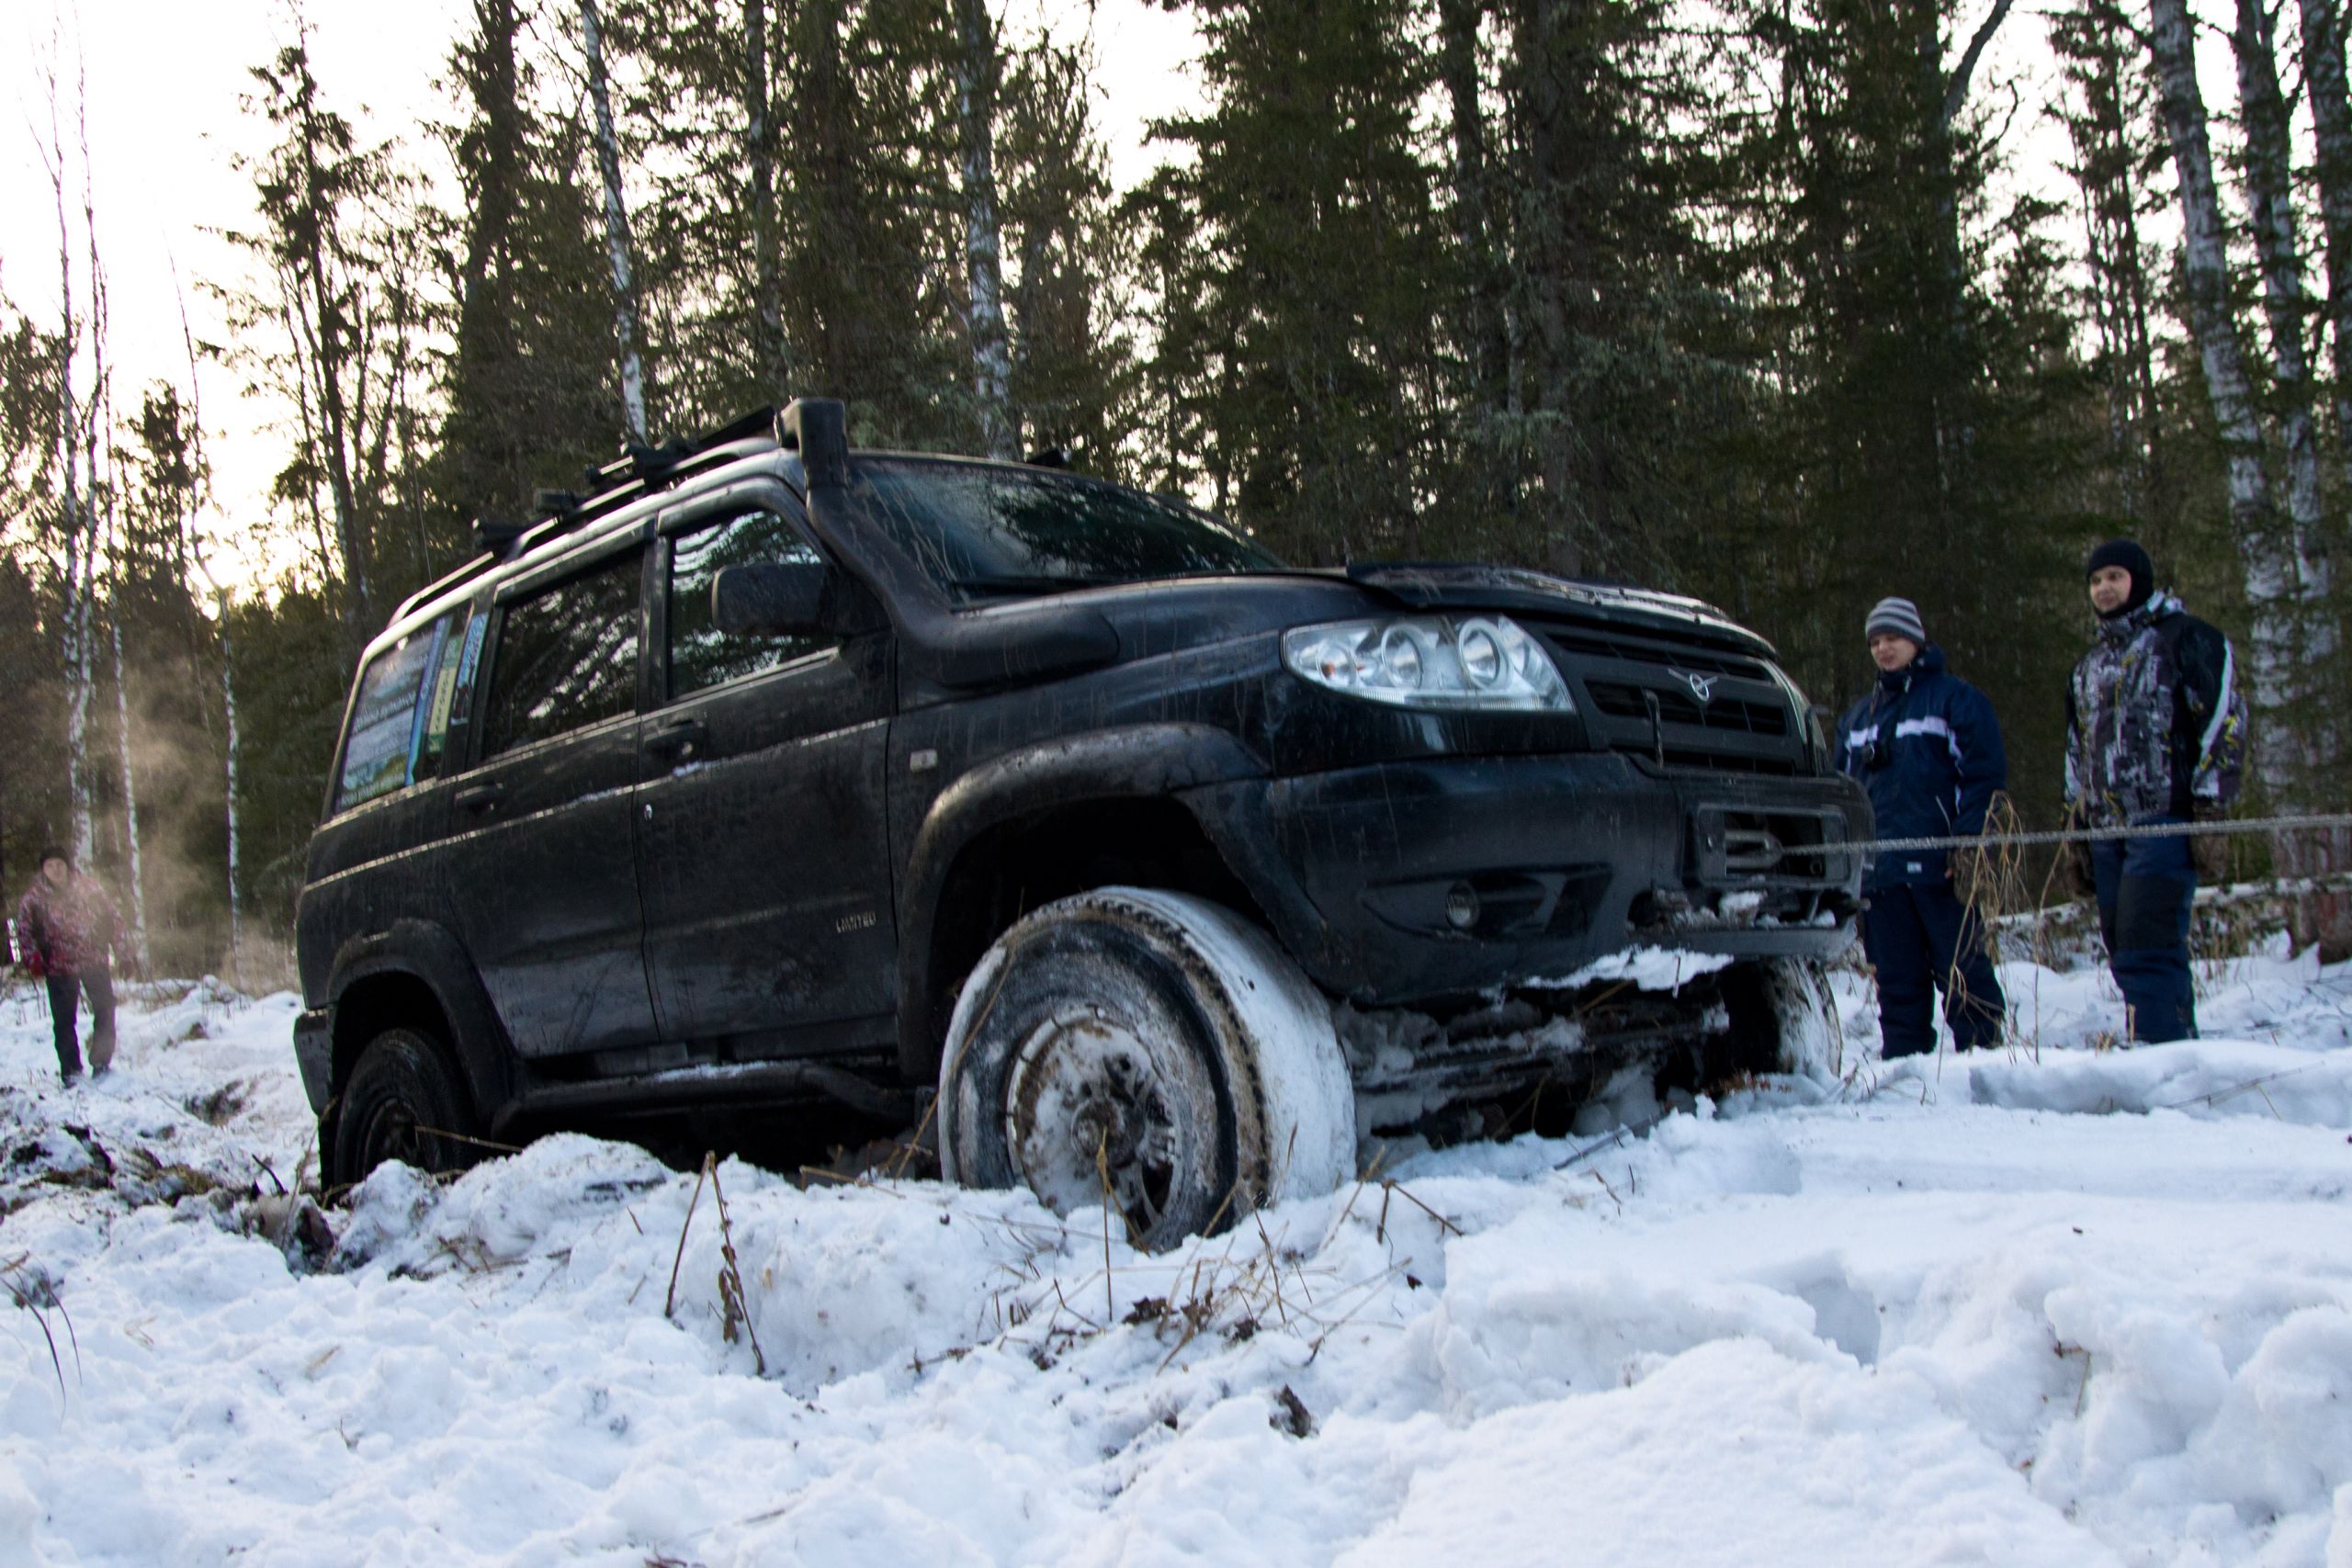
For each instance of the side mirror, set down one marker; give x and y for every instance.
(771, 598)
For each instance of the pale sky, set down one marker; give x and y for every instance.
(163, 79)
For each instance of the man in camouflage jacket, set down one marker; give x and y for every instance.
(66, 927)
(2155, 733)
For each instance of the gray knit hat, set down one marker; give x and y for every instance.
(1897, 617)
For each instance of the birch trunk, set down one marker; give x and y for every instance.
(73, 621)
(617, 241)
(772, 348)
(2323, 81)
(135, 868)
(2266, 555)
(2269, 204)
(229, 718)
(975, 82)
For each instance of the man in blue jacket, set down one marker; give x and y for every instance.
(1926, 747)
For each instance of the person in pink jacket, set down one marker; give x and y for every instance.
(66, 927)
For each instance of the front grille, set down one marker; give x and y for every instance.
(1583, 640)
(1621, 699)
(1681, 702)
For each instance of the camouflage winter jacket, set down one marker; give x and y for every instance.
(72, 928)
(2155, 726)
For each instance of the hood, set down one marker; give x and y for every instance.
(1424, 585)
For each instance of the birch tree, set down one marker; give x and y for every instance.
(74, 532)
(2270, 211)
(976, 95)
(771, 349)
(2269, 562)
(617, 240)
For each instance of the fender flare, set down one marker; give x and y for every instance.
(431, 955)
(1143, 762)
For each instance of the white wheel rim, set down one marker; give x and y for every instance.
(1095, 1115)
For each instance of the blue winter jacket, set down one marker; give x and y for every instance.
(1928, 748)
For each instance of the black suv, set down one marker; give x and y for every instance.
(1052, 813)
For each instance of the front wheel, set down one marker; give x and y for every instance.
(403, 1103)
(1149, 1051)
(1783, 1020)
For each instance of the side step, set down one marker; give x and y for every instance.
(713, 1084)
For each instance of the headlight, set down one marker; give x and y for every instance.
(1479, 662)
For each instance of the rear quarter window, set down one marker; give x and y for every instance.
(399, 723)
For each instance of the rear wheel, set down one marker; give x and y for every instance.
(403, 1103)
(1148, 1051)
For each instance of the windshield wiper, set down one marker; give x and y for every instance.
(1038, 583)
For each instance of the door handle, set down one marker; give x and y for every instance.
(678, 737)
(481, 797)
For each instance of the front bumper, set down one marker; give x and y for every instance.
(1410, 881)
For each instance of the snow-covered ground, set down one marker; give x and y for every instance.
(2052, 1305)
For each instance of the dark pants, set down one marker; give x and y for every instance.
(63, 994)
(1922, 938)
(2145, 889)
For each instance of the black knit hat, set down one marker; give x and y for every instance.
(55, 852)
(2126, 554)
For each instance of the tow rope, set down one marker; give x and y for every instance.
(2093, 835)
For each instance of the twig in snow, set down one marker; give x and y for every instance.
(734, 1307)
(670, 1301)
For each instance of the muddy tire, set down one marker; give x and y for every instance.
(1149, 1048)
(402, 1102)
(1784, 1020)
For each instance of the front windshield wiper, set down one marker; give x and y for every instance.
(1036, 583)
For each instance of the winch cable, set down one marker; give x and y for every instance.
(2093, 835)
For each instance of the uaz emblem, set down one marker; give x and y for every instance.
(1702, 686)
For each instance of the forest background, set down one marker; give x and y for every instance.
(1737, 297)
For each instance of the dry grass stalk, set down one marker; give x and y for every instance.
(669, 1300)
(33, 1291)
(734, 1309)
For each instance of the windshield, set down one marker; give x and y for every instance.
(983, 531)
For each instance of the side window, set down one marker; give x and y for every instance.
(700, 654)
(400, 727)
(567, 657)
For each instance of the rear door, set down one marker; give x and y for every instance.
(543, 870)
(761, 838)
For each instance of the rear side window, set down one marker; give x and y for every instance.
(400, 726)
(566, 658)
(700, 654)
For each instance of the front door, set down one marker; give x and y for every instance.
(761, 847)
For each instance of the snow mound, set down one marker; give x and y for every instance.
(2198, 1077)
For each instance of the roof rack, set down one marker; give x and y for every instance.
(640, 471)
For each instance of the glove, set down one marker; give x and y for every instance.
(36, 965)
(2209, 852)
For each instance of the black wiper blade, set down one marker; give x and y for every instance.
(1014, 584)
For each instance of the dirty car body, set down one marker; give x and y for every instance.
(605, 848)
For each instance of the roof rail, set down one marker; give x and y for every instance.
(640, 471)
